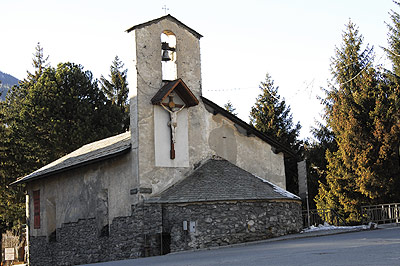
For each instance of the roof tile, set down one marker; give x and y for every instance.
(218, 179)
(86, 154)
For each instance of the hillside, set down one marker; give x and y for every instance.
(7, 81)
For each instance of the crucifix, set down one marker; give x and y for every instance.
(173, 110)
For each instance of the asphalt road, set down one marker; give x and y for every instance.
(377, 247)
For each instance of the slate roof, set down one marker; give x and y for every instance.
(218, 179)
(169, 17)
(89, 153)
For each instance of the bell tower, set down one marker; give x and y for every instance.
(168, 86)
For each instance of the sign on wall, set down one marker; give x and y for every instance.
(9, 254)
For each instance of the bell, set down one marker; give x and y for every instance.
(165, 56)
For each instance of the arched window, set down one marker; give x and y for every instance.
(168, 55)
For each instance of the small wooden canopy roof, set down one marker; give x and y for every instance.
(180, 88)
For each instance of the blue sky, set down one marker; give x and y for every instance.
(243, 40)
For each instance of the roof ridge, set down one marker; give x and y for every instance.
(141, 25)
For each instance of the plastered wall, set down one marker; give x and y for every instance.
(248, 152)
(100, 190)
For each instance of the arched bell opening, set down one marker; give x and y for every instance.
(168, 56)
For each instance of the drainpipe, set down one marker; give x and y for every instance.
(308, 210)
(162, 225)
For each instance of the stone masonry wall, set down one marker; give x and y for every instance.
(80, 243)
(219, 224)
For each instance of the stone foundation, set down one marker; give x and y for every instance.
(219, 224)
(139, 235)
(81, 243)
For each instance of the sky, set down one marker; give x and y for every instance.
(292, 40)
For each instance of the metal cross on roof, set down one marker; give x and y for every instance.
(165, 9)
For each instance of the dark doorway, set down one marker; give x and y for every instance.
(165, 243)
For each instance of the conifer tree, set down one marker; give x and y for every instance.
(315, 151)
(39, 63)
(350, 70)
(116, 89)
(229, 107)
(15, 154)
(393, 51)
(271, 116)
(362, 170)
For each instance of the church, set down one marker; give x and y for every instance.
(187, 175)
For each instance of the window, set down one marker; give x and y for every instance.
(36, 209)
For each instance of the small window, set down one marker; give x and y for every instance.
(36, 209)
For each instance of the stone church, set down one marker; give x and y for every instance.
(188, 174)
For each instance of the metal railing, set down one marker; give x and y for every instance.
(384, 213)
(320, 216)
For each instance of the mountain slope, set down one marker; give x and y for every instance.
(7, 81)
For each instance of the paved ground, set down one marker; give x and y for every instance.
(375, 247)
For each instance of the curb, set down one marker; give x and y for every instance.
(279, 238)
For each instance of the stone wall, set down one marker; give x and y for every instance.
(139, 235)
(81, 242)
(226, 223)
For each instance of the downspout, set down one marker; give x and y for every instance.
(162, 225)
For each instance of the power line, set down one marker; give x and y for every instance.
(230, 89)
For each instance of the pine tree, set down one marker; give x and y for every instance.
(358, 108)
(39, 63)
(116, 89)
(345, 117)
(393, 51)
(315, 151)
(229, 107)
(63, 110)
(271, 116)
(15, 155)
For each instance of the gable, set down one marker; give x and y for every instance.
(169, 17)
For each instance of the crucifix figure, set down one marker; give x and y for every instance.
(173, 110)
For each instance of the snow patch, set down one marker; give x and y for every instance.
(279, 190)
(326, 226)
